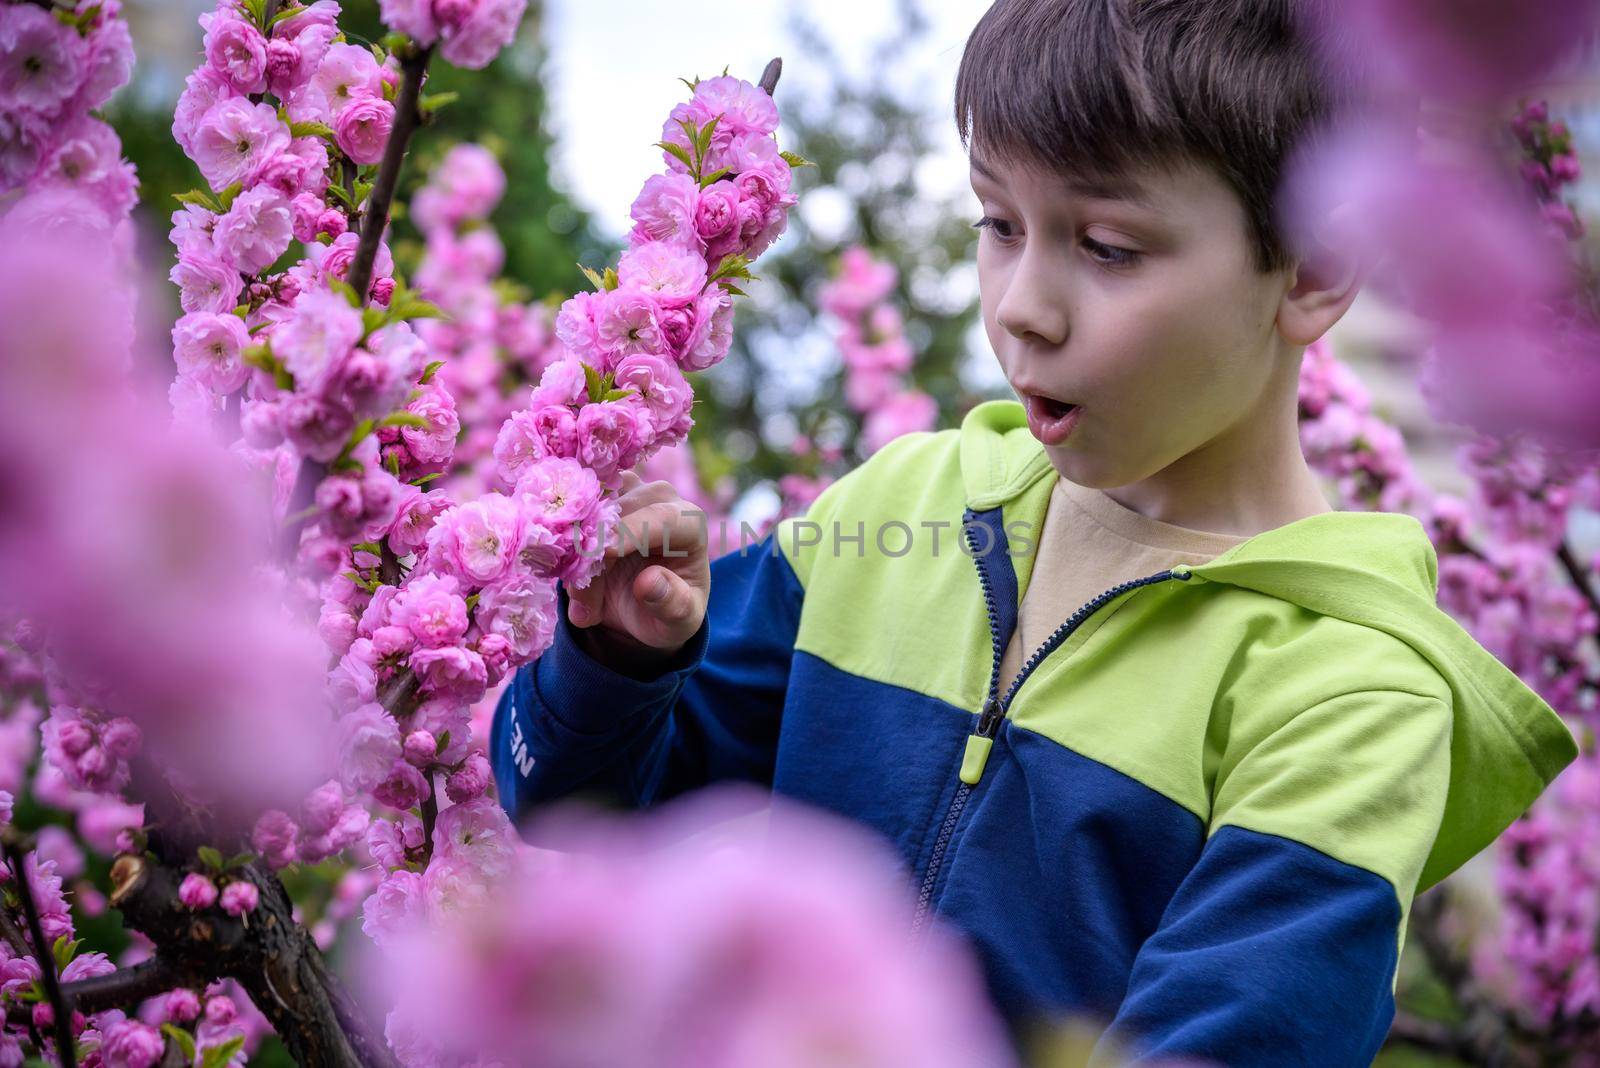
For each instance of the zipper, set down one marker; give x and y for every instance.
(995, 706)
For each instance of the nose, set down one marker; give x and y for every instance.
(1033, 305)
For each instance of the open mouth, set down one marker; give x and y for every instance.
(1052, 408)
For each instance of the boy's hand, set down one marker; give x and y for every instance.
(643, 605)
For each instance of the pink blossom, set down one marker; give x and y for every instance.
(256, 230)
(404, 788)
(665, 210)
(131, 1044)
(205, 282)
(578, 327)
(451, 672)
(236, 50)
(347, 72)
(240, 897)
(369, 742)
(716, 219)
(432, 608)
(415, 519)
(395, 904)
(627, 323)
(204, 87)
(476, 541)
(276, 838)
(434, 443)
(672, 273)
(518, 445)
(317, 338)
(713, 332)
(235, 139)
(362, 129)
(558, 491)
(659, 386)
(522, 610)
(208, 347)
(41, 61)
(474, 31)
(197, 892)
(469, 782)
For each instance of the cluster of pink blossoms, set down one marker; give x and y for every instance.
(1549, 164)
(57, 64)
(468, 33)
(1498, 576)
(493, 346)
(877, 355)
(754, 945)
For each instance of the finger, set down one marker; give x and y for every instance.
(584, 606)
(645, 493)
(629, 480)
(668, 527)
(664, 594)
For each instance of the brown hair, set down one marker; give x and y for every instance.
(1096, 88)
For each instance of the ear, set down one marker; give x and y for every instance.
(1326, 280)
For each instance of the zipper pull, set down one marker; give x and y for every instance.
(980, 742)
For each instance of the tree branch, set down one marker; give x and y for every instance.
(407, 117)
(124, 989)
(43, 954)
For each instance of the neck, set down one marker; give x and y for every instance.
(1251, 478)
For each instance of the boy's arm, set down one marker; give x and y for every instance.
(569, 722)
(1280, 945)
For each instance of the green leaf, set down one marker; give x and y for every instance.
(720, 172)
(367, 547)
(444, 738)
(677, 150)
(472, 601)
(184, 1040)
(311, 129)
(404, 419)
(210, 857)
(732, 265)
(609, 279)
(229, 195)
(702, 143)
(429, 371)
(279, 17)
(239, 860)
(617, 394)
(242, 311)
(339, 285)
(363, 190)
(371, 319)
(63, 951)
(795, 159)
(595, 278)
(205, 198)
(425, 479)
(731, 288)
(593, 379)
(257, 10)
(437, 101)
(219, 1056)
(691, 84)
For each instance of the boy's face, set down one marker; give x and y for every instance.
(1140, 302)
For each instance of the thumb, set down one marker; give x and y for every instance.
(664, 594)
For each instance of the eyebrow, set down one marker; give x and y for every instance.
(1125, 190)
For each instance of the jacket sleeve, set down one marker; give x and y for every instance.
(568, 723)
(1281, 944)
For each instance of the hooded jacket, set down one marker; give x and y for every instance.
(1200, 812)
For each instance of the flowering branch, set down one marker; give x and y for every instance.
(407, 116)
(42, 954)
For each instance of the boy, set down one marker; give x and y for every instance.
(1171, 741)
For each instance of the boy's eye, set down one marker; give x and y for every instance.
(1000, 227)
(1110, 255)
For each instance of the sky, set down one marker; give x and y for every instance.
(614, 68)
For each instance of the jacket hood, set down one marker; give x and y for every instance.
(1377, 569)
